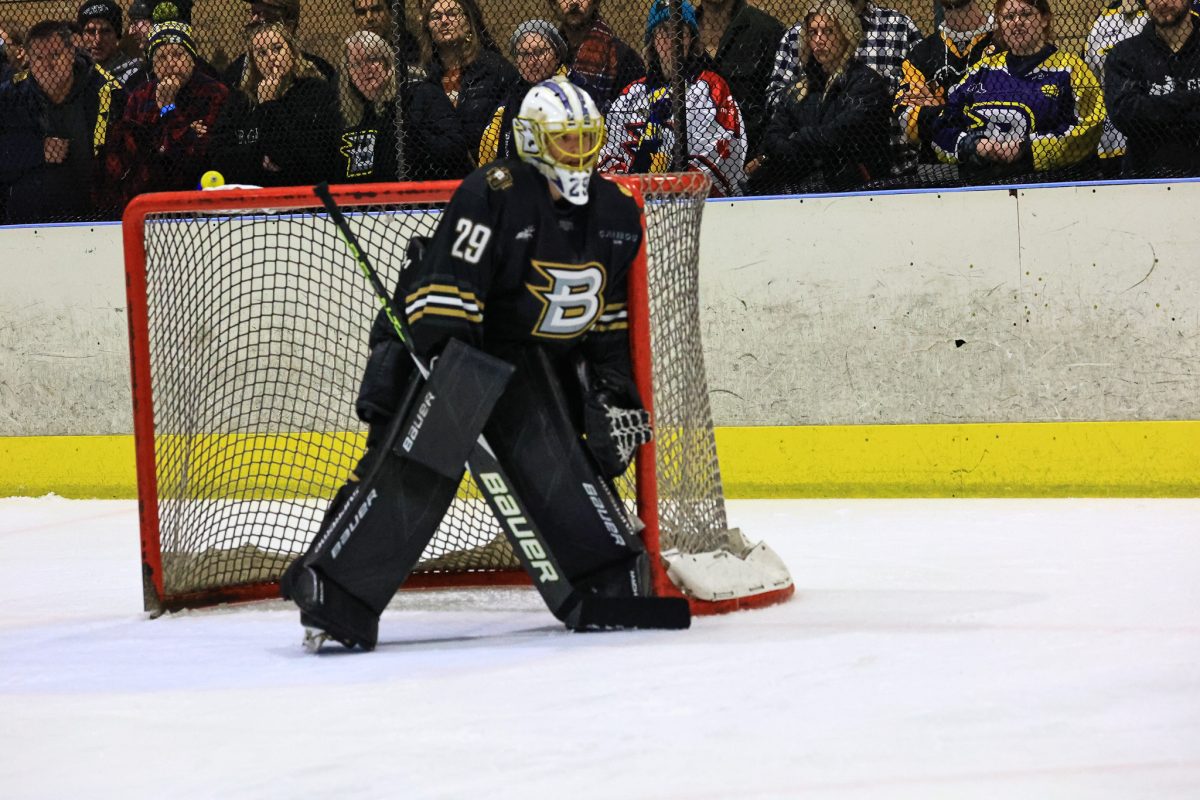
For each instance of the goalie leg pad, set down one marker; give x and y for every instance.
(539, 444)
(379, 536)
(376, 538)
(377, 527)
(370, 544)
(291, 574)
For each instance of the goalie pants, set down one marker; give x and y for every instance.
(535, 436)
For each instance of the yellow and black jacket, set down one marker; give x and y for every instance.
(1049, 101)
(937, 63)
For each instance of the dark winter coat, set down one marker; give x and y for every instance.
(830, 140)
(745, 58)
(1153, 97)
(485, 84)
(434, 147)
(8, 69)
(297, 132)
(155, 152)
(38, 191)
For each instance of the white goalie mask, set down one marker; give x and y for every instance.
(560, 131)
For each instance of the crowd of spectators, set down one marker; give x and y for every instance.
(459, 54)
(119, 101)
(641, 131)
(831, 129)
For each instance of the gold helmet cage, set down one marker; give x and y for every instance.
(560, 130)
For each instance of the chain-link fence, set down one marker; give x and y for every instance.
(119, 98)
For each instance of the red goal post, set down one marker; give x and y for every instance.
(247, 324)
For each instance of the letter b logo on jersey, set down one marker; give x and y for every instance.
(571, 299)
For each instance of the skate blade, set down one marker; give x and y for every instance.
(314, 638)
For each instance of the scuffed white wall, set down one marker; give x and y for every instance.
(1040, 304)
(64, 353)
(982, 306)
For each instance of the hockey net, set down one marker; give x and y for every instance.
(248, 328)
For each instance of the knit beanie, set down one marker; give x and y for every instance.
(660, 11)
(541, 27)
(170, 33)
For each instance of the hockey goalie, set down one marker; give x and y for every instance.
(517, 304)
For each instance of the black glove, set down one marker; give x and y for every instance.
(614, 433)
(384, 380)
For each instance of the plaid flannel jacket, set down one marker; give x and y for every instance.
(888, 35)
(604, 65)
(152, 152)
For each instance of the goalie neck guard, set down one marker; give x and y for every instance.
(560, 131)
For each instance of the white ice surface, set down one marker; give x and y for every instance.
(934, 649)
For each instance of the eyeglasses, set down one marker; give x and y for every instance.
(540, 52)
(451, 16)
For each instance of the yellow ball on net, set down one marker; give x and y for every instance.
(212, 179)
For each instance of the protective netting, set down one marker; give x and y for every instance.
(691, 503)
(764, 97)
(256, 327)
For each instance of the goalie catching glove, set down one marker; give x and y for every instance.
(614, 433)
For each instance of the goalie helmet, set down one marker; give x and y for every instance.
(560, 131)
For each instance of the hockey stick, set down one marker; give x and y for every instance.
(578, 612)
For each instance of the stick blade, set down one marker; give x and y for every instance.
(609, 613)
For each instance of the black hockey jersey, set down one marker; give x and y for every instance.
(508, 266)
